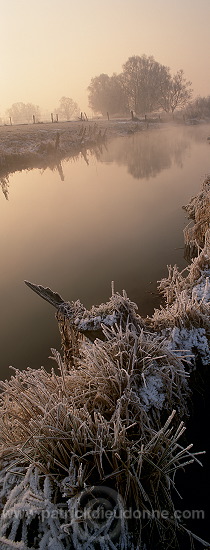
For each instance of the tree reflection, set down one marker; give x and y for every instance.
(146, 154)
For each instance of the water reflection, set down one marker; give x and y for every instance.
(53, 163)
(4, 183)
(20, 164)
(54, 166)
(147, 154)
(49, 154)
(102, 224)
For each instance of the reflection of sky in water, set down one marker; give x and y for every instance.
(100, 224)
(146, 155)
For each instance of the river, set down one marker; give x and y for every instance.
(114, 214)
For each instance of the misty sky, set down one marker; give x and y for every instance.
(51, 48)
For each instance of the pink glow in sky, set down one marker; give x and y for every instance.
(52, 48)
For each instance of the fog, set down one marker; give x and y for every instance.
(114, 218)
(52, 49)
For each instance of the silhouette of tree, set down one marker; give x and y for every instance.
(23, 112)
(143, 86)
(199, 108)
(143, 78)
(107, 94)
(176, 92)
(67, 108)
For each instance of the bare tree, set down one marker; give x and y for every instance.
(143, 86)
(176, 92)
(23, 112)
(199, 108)
(67, 108)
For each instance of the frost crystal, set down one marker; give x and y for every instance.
(104, 431)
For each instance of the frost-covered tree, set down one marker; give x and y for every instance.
(67, 109)
(23, 112)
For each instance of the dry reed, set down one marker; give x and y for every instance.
(103, 418)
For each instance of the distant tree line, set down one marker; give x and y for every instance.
(23, 112)
(199, 108)
(28, 112)
(143, 86)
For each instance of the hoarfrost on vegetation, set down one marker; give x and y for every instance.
(152, 394)
(194, 341)
(101, 419)
(202, 289)
(198, 210)
(94, 323)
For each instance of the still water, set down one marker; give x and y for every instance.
(117, 216)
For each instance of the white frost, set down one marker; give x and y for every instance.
(151, 394)
(193, 340)
(202, 290)
(94, 323)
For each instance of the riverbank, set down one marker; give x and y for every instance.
(46, 145)
(28, 146)
(21, 133)
(100, 432)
